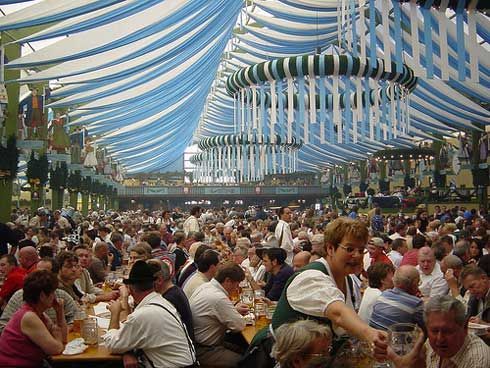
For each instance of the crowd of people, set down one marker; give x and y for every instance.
(334, 277)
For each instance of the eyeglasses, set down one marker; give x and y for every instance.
(351, 250)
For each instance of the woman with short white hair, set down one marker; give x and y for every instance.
(301, 344)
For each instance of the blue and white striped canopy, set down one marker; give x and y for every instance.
(147, 77)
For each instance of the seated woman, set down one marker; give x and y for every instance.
(30, 335)
(304, 343)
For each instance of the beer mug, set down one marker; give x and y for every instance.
(260, 315)
(402, 337)
(90, 332)
(247, 297)
(78, 322)
(270, 308)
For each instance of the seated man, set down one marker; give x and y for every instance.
(476, 281)
(14, 278)
(213, 314)
(398, 249)
(451, 267)
(174, 294)
(84, 282)
(376, 249)
(400, 304)
(275, 263)
(431, 277)
(207, 264)
(380, 278)
(68, 272)
(449, 344)
(154, 327)
(28, 258)
(101, 264)
(16, 301)
(301, 259)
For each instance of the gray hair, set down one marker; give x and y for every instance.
(452, 261)
(461, 248)
(243, 242)
(405, 276)
(446, 304)
(256, 237)
(294, 338)
(241, 250)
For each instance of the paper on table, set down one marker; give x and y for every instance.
(102, 323)
(101, 308)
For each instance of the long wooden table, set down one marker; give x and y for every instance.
(249, 332)
(94, 353)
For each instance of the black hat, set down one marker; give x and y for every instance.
(140, 272)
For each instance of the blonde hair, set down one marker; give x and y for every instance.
(295, 338)
(343, 226)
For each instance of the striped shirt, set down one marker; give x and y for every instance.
(474, 353)
(396, 306)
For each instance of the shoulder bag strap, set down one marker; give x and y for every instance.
(189, 341)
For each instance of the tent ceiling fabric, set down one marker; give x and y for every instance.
(280, 28)
(147, 78)
(135, 73)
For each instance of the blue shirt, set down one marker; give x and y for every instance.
(275, 285)
(397, 306)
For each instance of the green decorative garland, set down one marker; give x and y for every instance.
(86, 185)
(37, 169)
(404, 154)
(74, 182)
(10, 159)
(276, 69)
(58, 177)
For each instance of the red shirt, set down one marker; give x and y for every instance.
(410, 258)
(32, 268)
(381, 258)
(13, 282)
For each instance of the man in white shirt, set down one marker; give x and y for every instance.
(213, 314)
(154, 327)
(431, 278)
(207, 264)
(398, 249)
(283, 233)
(191, 224)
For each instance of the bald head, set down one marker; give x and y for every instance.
(426, 260)
(301, 259)
(28, 256)
(407, 278)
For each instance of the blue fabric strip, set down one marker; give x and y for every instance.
(280, 107)
(428, 41)
(367, 110)
(398, 36)
(263, 110)
(383, 108)
(323, 89)
(347, 104)
(372, 35)
(460, 40)
(332, 137)
(354, 28)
